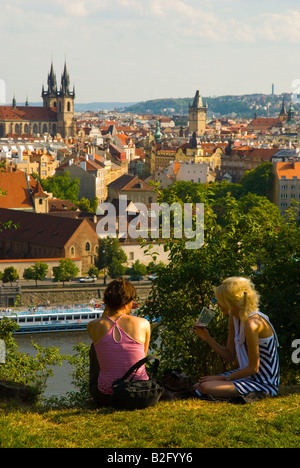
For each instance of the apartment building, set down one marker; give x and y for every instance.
(286, 185)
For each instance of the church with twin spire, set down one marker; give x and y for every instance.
(55, 117)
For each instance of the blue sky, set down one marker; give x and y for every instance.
(135, 50)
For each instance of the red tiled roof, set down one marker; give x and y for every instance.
(128, 182)
(265, 123)
(264, 154)
(15, 184)
(40, 229)
(288, 170)
(28, 113)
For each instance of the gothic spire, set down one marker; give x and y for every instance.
(197, 101)
(65, 81)
(52, 85)
(283, 111)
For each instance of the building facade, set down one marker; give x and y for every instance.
(286, 185)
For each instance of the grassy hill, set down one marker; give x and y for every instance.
(270, 423)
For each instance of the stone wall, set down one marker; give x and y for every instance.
(69, 295)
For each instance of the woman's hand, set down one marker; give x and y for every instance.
(202, 332)
(207, 378)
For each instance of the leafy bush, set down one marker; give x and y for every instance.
(21, 368)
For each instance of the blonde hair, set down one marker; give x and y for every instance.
(238, 292)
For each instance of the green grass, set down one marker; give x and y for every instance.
(271, 423)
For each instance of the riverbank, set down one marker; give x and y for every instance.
(58, 294)
(270, 423)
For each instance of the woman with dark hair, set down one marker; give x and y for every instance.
(119, 339)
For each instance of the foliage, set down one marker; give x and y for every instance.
(258, 181)
(66, 270)
(138, 269)
(80, 375)
(37, 272)
(63, 186)
(116, 269)
(111, 256)
(240, 234)
(93, 271)
(153, 267)
(21, 368)
(278, 285)
(84, 204)
(10, 275)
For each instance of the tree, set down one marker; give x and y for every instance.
(238, 234)
(138, 269)
(10, 275)
(278, 286)
(65, 271)
(63, 186)
(93, 271)
(116, 269)
(85, 204)
(258, 181)
(38, 271)
(111, 256)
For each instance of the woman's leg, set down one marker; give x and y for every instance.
(218, 389)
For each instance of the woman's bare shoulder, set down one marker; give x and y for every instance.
(140, 320)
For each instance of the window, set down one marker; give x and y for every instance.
(87, 246)
(131, 255)
(72, 250)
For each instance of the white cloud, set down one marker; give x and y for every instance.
(144, 44)
(281, 27)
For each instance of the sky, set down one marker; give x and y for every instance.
(137, 50)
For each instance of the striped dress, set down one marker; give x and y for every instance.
(268, 377)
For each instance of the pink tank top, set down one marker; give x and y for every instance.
(116, 357)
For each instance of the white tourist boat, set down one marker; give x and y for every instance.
(52, 319)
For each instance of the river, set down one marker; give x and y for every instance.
(60, 383)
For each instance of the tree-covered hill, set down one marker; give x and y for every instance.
(244, 106)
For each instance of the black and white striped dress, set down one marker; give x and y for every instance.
(268, 377)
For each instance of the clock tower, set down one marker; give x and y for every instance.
(197, 116)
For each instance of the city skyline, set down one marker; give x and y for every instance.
(130, 50)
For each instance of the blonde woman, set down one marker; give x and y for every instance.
(251, 338)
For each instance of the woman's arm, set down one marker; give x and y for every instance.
(147, 337)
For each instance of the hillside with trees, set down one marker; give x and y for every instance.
(244, 106)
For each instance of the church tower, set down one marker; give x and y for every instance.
(197, 116)
(291, 115)
(283, 116)
(50, 96)
(66, 126)
(63, 100)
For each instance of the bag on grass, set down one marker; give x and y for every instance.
(134, 394)
(178, 386)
